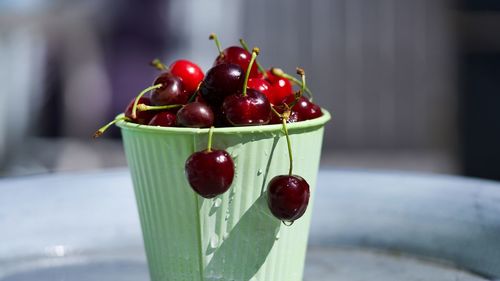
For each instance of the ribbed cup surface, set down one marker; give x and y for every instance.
(233, 236)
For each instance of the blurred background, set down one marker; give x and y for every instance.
(412, 85)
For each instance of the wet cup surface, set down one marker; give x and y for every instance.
(232, 236)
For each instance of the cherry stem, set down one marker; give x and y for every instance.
(255, 53)
(302, 74)
(101, 130)
(276, 112)
(210, 136)
(158, 64)
(259, 66)
(280, 73)
(134, 108)
(284, 117)
(214, 37)
(193, 96)
(297, 95)
(145, 107)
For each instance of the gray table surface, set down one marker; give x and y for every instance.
(366, 226)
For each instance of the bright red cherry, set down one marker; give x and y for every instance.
(260, 85)
(190, 74)
(195, 115)
(210, 172)
(163, 119)
(142, 117)
(288, 197)
(171, 92)
(280, 88)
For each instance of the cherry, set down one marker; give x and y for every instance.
(171, 90)
(210, 172)
(288, 197)
(221, 81)
(163, 119)
(275, 119)
(247, 107)
(304, 108)
(234, 54)
(260, 85)
(142, 117)
(276, 88)
(190, 74)
(250, 109)
(131, 113)
(281, 87)
(279, 73)
(195, 115)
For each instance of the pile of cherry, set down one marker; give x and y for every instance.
(236, 91)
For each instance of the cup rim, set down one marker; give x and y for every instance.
(308, 124)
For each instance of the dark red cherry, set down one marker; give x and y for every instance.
(239, 56)
(210, 173)
(190, 74)
(171, 92)
(250, 109)
(280, 88)
(305, 109)
(142, 117)
(221, 81)
(163, 119)
(280, 109)
(288, 197)
(195, 115)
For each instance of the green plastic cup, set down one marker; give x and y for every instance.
(233, 236)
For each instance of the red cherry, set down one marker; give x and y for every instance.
(210, 172)
(247, 106)
(294, 117)
(288, 197)
(250, 109)
(305, 109)
(239, 56)
(190, 74)
(280, 87)
(171, 92)
(142, 117)
(163, 119)
(260, 85)
(195, 115)
(221, 81)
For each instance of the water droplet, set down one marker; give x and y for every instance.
(217, 202)
(227, 215)
(225, 236)
(259, 172)
(231, 196)
(214, 241)
(266, 152)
